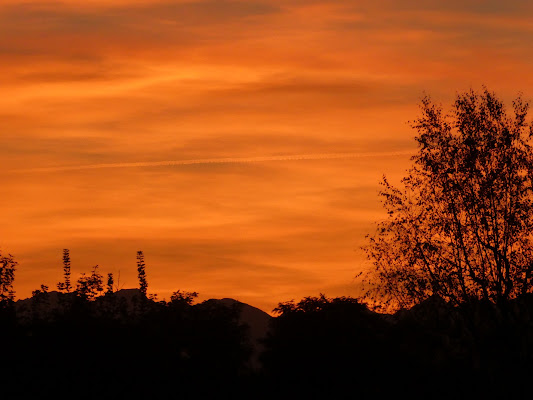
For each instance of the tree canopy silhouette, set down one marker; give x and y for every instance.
(7, 276)
(459, 225)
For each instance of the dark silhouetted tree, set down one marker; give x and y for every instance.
(460, 225)
(141, 273)
(42, 290)
(7, 276)
(322, 346)
(90, 287)
(110, 283)
(65, 286)
(183, 297)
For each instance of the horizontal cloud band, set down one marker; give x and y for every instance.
(228, 160)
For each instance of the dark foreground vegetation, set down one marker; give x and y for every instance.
(123, 345)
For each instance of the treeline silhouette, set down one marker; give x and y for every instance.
(84, 341)
(123, 344)
(434, 350)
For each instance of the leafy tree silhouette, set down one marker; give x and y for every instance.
(181, 297)
(460, 225)
(7, 276)
(325, 346)
(89, 287)
(110, 283)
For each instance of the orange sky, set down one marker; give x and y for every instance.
(114, 82)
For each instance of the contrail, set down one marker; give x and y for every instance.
(228, 160)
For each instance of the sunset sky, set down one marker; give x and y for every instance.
(239, 144)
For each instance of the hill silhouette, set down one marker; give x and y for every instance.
(258, 323)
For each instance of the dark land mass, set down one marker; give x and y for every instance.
(124, 345)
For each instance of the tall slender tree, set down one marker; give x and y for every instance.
(65, 286)
(141, 273)
(7, 276)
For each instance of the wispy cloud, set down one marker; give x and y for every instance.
(227, 160)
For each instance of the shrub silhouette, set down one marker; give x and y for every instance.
(325, 345)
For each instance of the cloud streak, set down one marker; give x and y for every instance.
(225, 160)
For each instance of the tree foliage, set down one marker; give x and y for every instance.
(322, 347)
(183, 297)
(141, 273)
(89, 287)
(7, 276)
(110, 283)
(460, 224)
(65, 286)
